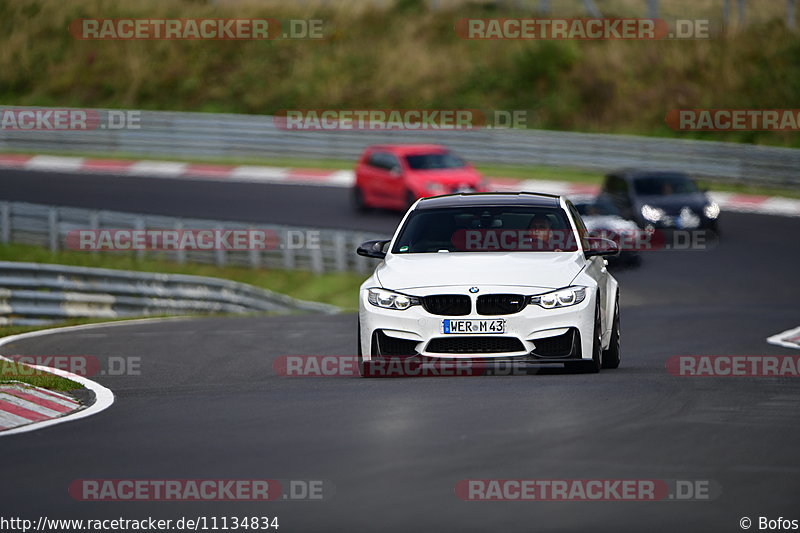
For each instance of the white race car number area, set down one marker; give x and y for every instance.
(462, 327)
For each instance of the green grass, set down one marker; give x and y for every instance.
(417, 61)
(13, 371)
(340, 289)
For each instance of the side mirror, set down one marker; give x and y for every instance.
(600, 247)
(395, 171)
(373, 249)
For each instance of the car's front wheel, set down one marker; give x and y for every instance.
(593, 365)
(611, 356)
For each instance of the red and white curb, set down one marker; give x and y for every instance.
(745, 203)
(22, 404)
(788, 339)
(24, 408)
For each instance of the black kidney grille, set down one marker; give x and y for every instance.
(447, 304)
(475, 345)
(501, 304)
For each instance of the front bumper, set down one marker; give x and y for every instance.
(532, 335)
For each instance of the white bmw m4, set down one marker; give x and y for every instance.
(491, 277)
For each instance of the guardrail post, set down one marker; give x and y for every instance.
(5, 222)
(317, 266)
(94, 224)
(288, 251)
(360, 262)
(220, 254)
(139, 225)
(340, 250)
(255, 254)
(180, 253)
(52, 229)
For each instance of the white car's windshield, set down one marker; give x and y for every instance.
(486, 229)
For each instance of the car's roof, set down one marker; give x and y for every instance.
(408, 148)
(641, 174)
(488, 199)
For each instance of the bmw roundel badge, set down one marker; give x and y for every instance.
(473, 290)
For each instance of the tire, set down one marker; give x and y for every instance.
(363, 369)
(593, 366)
(611, 356)
(358, 200)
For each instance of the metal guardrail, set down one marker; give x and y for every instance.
(35, 293)
(174, 134)
(49, 226)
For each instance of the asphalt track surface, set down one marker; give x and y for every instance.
(208, 404)
(294, 205)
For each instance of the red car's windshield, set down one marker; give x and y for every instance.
(434, 161)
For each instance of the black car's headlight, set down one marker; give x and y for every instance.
(390, 300)
(711, 210)
(560, 298)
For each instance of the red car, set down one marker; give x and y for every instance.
(396, 176)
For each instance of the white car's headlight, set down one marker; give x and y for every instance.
(390, 299)
(653, 214)
(711, 210)
(560, 298)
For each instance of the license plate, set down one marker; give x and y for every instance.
(466, 327)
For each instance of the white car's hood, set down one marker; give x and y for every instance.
(550, 270)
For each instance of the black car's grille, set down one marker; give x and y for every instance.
(475, 345)
(501, 304)
(447, 304)
(558, 346)
(392, 346)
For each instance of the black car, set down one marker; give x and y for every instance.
(603, 219)
(661, 200)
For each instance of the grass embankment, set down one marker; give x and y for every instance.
(11, 371)
(404, 55)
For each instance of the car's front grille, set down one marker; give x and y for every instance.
(392, 346)
(447, 304)
(501, 304)
(475, 345)
(557, 346)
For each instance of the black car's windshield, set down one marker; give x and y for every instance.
(664, 185)
(600, 206)
(486, 229)
(434, 161)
